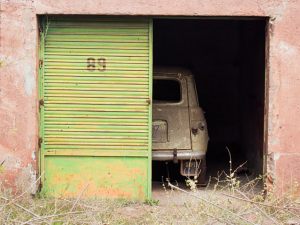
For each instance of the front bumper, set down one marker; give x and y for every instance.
(176, 155)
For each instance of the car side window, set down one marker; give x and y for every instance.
(166, 91)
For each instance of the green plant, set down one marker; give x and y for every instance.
(2, 167)
(152, 202)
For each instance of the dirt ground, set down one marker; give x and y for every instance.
(229, 201)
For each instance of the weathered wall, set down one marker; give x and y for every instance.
(18, 78)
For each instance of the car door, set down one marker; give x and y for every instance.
(170, 128)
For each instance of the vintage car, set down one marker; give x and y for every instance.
(179, 130)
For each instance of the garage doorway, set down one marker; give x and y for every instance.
(227, 58)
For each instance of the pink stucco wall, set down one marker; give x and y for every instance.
(18, 74)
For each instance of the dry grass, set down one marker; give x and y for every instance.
(231, 201)
(226, 201)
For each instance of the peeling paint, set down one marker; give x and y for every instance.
(276, 156)
(10, 162)
(271, 169)
(26, 181)
(33, 155)
(276, 9)
(29, 80)
(287, 49)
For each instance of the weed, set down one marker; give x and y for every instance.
(152, 202)
(226, 200)
(192, 184)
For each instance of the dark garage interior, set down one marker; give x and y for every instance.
(227, 58)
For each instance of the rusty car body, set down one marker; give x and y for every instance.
(179, 129)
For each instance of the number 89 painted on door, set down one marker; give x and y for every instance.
(93, 64)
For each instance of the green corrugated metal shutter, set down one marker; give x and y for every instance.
(95, 83)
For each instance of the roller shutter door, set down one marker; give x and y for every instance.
(95, 112)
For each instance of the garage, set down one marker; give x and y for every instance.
(227, 58)
(243, 54)
(95, 98)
